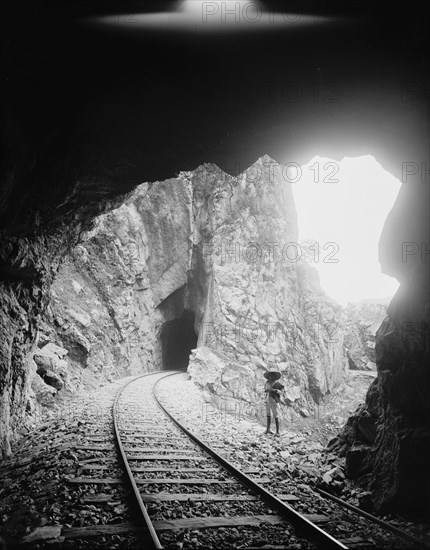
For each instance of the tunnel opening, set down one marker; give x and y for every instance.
(178, 338)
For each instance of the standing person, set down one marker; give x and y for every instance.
(272, 390)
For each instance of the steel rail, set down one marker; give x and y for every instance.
(154, 540)
(419, 543)
(283, 508)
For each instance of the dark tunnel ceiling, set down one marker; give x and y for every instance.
(170, 101)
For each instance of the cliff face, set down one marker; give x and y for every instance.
(105, 300)
(260, 306)
(203, 254)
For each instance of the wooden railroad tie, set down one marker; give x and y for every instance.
(146, 481)
(184, 497)
(186, 523)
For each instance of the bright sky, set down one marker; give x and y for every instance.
(349, 212)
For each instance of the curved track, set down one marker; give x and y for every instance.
(153, 428)
(186, 489)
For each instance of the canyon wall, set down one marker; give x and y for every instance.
(71, 285)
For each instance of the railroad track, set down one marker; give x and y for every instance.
(187, 494)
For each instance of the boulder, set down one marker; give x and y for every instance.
(53, 349)
(50, 358)
(206, 368)
(292, 393)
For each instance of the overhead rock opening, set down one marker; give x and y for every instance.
(178, 338)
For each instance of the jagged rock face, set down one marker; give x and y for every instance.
(400, 455)
(104, 305)
(31, 264)
(386, 442)
(361, 322)
(46, 202)
(257, 307)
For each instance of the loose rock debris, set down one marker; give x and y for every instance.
(39, 506)
(36, 501)
(296, 462)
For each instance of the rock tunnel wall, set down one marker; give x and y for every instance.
(24, 292)
(386, 443)
(71, 155)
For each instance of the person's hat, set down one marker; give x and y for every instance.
(272, 375)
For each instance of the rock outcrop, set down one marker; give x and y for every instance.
(361, 322)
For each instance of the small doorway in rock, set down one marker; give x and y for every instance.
(177, 340)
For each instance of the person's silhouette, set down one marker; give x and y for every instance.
(272, 390)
